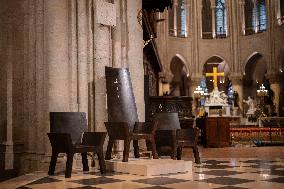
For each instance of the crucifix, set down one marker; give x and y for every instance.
(215, 74)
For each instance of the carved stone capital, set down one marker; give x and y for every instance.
(236, 78)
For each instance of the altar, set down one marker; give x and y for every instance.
(217, 102)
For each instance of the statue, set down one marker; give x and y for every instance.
(251, 106)
(216, 98)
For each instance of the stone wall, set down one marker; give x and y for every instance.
(53, 54)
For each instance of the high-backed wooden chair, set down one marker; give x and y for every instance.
(172, 136)
(123, 131)
(166, 134)
(66, 130)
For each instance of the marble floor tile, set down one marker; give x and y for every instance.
(234, 170)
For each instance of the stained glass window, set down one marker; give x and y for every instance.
(180, 30)
(221, 18)
(261, 15)
(183, 32)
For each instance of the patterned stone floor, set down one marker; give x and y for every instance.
(222, 173)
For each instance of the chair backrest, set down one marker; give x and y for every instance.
(146, 127)
(167, 121)
(189, 134)
(117, 130)
(60, 142)
(74, 123)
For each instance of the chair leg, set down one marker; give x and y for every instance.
(174, 152)
(126, 150)
(179, 152)
(69, 163)
(109, 149)
(85, 161)
(154, 150)
(52, 163)
(196, 154)
(101, 162)
(136, 149)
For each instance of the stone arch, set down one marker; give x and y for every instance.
(222, 66)
(180, 80)
(255, 68)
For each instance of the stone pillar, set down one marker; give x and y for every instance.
(256, 16)
(9, 154)
(195, 81)
(82, 54)
(175, 6)
(56, 53)
(274, 80)
(237, 84)
(187, 16)
(116, 37)
(213, 7)
(198, 11)
(135, 55)
(101, 59)
(242, 16)
(278, 12)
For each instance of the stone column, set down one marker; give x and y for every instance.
(116, 37)
(56, 53)
(274, 80)
(242, 16)
(175, 5)
(213, 7)
(195, 81)
(102, 58)
(135, 55)
(187, 16)
(237, 84)
(198, 11)
(9, 154)
(82, 54)
(256, 16)
(278, 12)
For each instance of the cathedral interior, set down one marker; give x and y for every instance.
(208, 71)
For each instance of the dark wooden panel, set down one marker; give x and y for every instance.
(217, 132)
(171, 104)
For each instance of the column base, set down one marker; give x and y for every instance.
(7, 156)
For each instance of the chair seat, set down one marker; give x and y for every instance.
(137, 136)
(83, 148)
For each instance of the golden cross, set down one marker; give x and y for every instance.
(215, 74)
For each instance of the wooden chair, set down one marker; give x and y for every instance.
(66, 130)
(166, 133)
(62, 143)
(166, 143)
(189, 138)
(122, 131)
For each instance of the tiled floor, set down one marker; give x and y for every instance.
(237, 170)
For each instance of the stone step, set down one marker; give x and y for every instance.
(149, 167)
